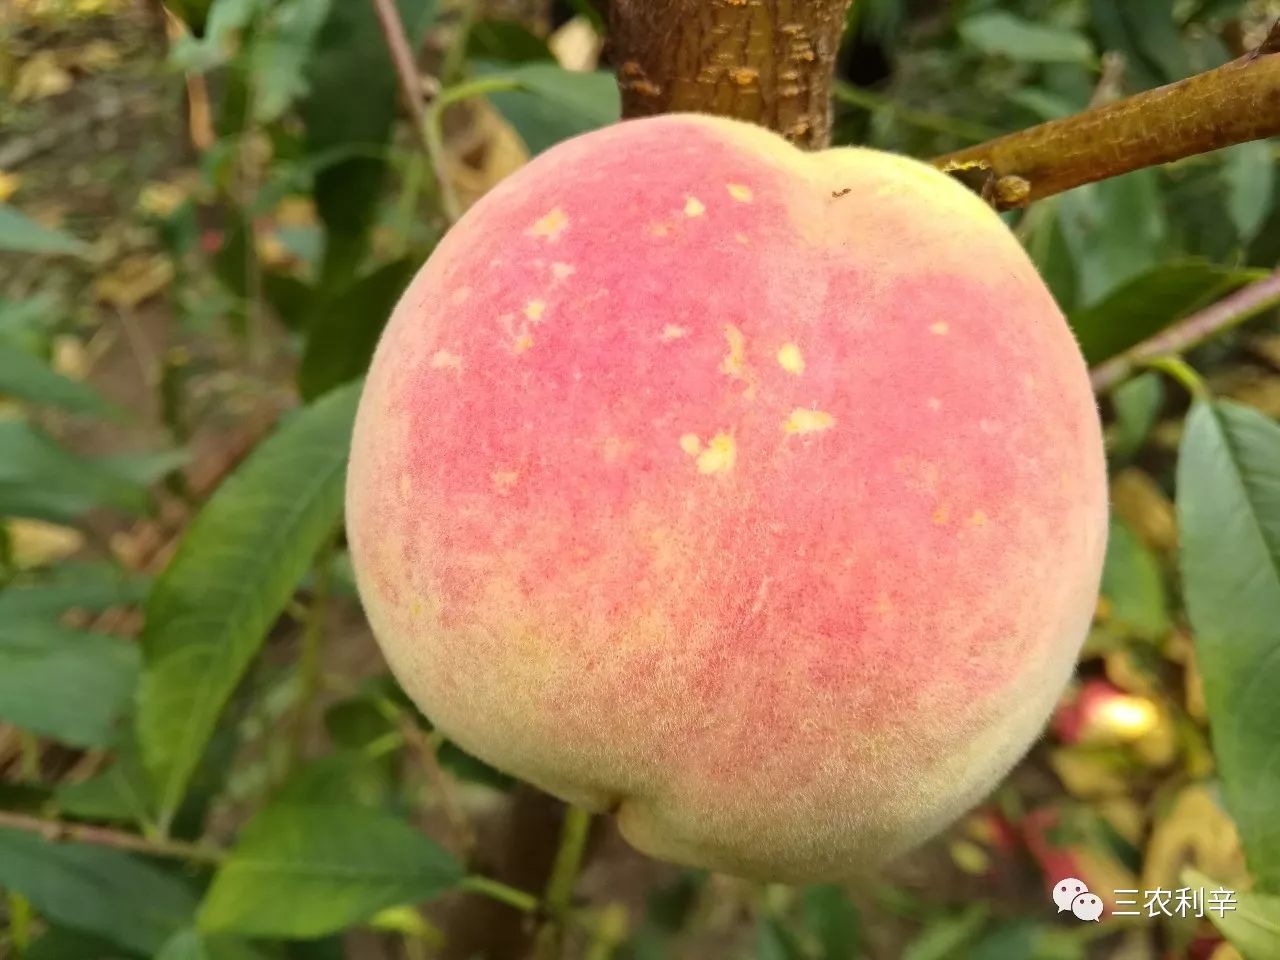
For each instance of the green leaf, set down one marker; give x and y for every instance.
(1253, 927)
(236, 568)
(947, 935)
(60, 943)
(281, 52)
(1229, 529)
(1137, 404)
(1115, 230)
(65, 684)
(23, 235)
(23, 376)
(334, 865)
(96, 890)
(90, 586)
(999, 33)
(40, 479)
(552, 103)
(776, 942)
(353, 102)
(833, 921)
(506, 40)
(1249, 170)
(343, 333)
(1148, 303)
(117, 793)
(1133, 584)
(190, 944)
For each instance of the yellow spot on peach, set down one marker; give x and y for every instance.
(460, 296)
(804, 420)
(550, 225)
(690, 444)
(883, 605)
(673, 332)
(739, 192)
(613, 449)
(741, 238)
(719, 456)
(977, 519)
(406, 484)
(504, 481)
(444, 360)
(416, 609)
(791, 359)
(522, 343)
(693, 207)
(658, 229)
(534, 309)
(735, 361)
(934, 404)
(942, 514)
(941, 328)
(561, 271)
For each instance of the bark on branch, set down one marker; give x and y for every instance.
(770, 62)
(1234, 103)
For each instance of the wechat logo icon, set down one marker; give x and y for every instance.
(1072, 895)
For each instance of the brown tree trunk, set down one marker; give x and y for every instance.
(770, 62)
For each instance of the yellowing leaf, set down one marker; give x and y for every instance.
(1195, 832)
(35, 543)
(39, 77)
(8, 185)
(135, 279)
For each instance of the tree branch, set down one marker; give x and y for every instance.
(769, 62)
(1194, 330)
(59, 831)
(406, 72)
(1234, 103)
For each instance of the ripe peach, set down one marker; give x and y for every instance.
(757, 496)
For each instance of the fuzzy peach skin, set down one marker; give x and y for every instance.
(754, 495)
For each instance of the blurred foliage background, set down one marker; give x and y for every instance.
(206, 214)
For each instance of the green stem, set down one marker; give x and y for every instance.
(433, 133)
(1180, 370)
(309, 674)
(564, 876)
(496, 890)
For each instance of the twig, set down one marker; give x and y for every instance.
(402, 59)
(501, 892)
(434, 133)
(1190, 332)
(1231, 104)
(564, 875)
(416, 740)
(59, 831)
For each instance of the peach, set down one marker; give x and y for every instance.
(754, 495)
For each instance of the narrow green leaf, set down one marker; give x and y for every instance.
(1229, 529)
(333, 865)
(344, 332)
(20, 234)
(948, 935)
(40, 479)
(90, 586)
(1253, 926)
(1005, 34)
(96, 890)
(1116, 230)
(190, 944)
(1133, 585)
(237, 566)
(65, 684)
(23, 376)
(552, 103)
(1148, 303)
(833, 921)
(1249, 170)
